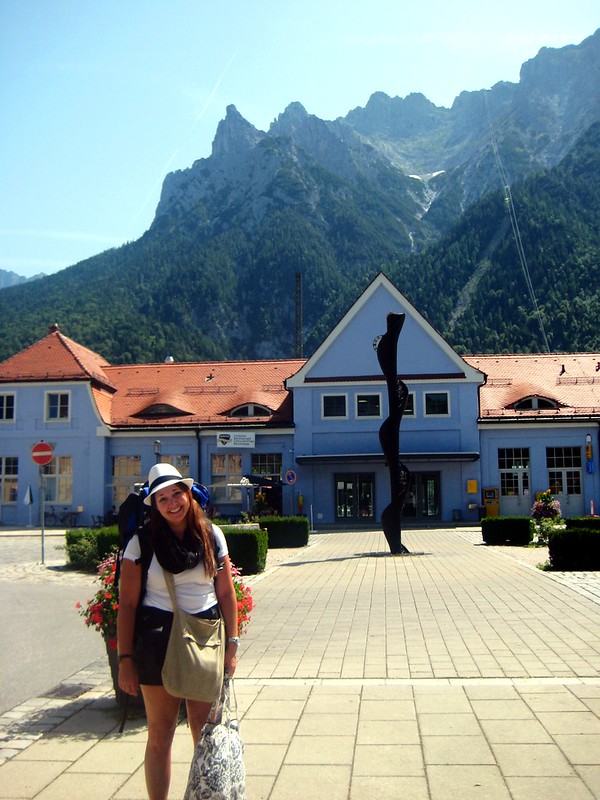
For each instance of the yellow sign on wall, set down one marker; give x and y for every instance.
(472, 487)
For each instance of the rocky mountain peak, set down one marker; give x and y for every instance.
(234, 134)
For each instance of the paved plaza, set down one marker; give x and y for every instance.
(456, 672)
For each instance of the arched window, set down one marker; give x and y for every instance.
(250, 410)
(535, 403)
(159, 410)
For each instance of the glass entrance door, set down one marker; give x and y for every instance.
(355, 497)
(422, 499)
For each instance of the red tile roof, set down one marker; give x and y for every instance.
(200, 393)
(55, 358)
(204, 393)
(142, 395)
(572, 380)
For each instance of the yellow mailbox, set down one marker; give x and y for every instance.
(491, 501)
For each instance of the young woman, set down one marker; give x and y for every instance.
(186, 543)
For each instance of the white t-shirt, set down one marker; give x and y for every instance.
(194, 590)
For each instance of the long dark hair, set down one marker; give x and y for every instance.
(197, 523)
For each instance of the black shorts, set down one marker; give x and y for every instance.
(153, 627)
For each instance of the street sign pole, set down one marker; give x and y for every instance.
(42, 453)
(43, 509)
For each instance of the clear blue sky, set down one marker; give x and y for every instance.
(99, 99)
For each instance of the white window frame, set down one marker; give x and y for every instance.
(251, 409)
(367, 416)
(58, 480)
(220, 491)
(126, 473)
(8, 479)
(412, 413)
(3, 397)
(430, 392)
(47, 397)
(334, 394)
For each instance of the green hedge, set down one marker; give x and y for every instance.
(86, 547)
(247, 548)
(574, 549)
(506, 530)
(286, 531)
(591, 523)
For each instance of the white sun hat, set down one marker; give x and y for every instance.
(161, 476)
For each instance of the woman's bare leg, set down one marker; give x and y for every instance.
(162, 713)
(197, 715)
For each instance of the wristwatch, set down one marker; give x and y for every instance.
(234, 639)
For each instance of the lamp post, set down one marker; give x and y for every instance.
(157, 455)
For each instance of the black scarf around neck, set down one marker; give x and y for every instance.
(174, 554)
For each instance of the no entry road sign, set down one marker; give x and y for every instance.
(42, 453)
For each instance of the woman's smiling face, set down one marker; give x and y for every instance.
(173, 503)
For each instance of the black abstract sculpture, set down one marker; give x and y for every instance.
(386, 347)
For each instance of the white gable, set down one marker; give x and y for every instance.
(348, 351)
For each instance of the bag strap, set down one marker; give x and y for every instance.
(170, 581)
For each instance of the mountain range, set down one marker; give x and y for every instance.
(485, 215)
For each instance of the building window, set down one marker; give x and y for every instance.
(251, 410)
(267, 464)
(564, 470)
(181, 464)
(437, 404)
(226, 473)
(563, 457)
(513, 464)
(57, 406)
(7, 407)
(126, 473)
(9, 472)
(535, 403)
(58, 480)
(334, 406)
(368, 405)
(409, 409)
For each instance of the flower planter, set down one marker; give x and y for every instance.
(113, 661)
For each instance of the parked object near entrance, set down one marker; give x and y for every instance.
(389, 433)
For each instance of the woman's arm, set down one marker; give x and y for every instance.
(130, 586)
(228, 604)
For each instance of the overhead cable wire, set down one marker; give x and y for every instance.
(510, 207)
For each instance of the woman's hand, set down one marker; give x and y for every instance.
(230, 658)
(128, 677)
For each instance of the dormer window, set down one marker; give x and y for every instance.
(250, 410)
(535, 403)
(159, 410)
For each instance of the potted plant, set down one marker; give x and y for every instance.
(100, 612)
(545, 513)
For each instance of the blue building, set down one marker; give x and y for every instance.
(302, 435)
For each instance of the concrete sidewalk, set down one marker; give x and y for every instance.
(449, 674)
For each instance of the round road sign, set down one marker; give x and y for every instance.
(290, 477)
(42, 453)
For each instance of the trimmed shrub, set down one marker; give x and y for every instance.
(86, 547)
(286, 531)
(247, 548)
(574, 549)
(591, 523)
(506, 530)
